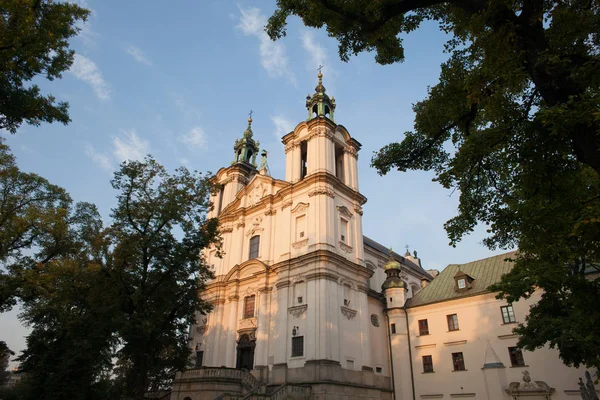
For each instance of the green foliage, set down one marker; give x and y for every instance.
(95, 294)
(5, 354)
(34, 38)
(513, 124)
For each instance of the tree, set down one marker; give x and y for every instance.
(5, 354)
(513, 124)
(159, 230)
(30, 207)
(128, 291)
(34, 38)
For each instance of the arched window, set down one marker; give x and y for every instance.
(254, 246)
(249, 156)
(249, 302)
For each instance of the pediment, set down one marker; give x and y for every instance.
(259, 188)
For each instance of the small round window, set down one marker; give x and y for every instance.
(374, 320)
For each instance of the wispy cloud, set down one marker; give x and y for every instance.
(315, 51)
(283, 126)
(137, 54)
(86, 70)
(130, 146)
(195, 137)
(272, 54)
(101, 159)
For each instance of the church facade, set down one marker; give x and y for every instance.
(306, 306)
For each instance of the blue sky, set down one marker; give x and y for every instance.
(178, 80)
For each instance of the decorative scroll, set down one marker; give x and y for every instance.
(241, 224)
(344, 211)
(300, 244)
(248, 323)
(324, 191)
(227, 230)
(358, 210)
(286, 204)
(297, 311)
(345, 247)
(300, 207)
(348, 312)
(270, 211)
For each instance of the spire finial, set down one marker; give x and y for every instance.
(250, 117)
(320, 76)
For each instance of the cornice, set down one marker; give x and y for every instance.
(323, 183)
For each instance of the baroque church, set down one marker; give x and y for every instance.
(307, 307)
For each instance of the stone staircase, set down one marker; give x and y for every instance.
(285, 391)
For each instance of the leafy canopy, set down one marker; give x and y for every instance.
(34, 38)
(513, 124)
(93, 294)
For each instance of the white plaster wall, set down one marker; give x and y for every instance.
(480, 323)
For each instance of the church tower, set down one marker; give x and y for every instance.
(291, 297)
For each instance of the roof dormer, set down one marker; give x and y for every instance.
(462, 281)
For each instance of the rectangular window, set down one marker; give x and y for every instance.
(427, 364)
(221, 193)
(452, 322)
(508, 314)
(249, 306)
(300, 227)
(379, 370)
(349, 364)
(298, 346)
(343, 230)
(339, 163)
(303, 158)
(516, 357)
(254, 246)
(199, 358)
(393, 326)
(423, 327)
(458, 361)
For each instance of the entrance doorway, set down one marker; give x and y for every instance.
(245, 353)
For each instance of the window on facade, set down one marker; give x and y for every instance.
(379, 370)
(300, 227)
(249, 306)
(427, 364)
(343, 230)
(298, 346)
(339, 163)
(452, 322)
(393, 326)
(303, 158)
(254, 246)
(458, 361)
(350, 364)
(374, 320)
(347, 294)
(462, 283)
(516, 357)
(423, 327)
(221, 193)
(508, 314)
(199, 358)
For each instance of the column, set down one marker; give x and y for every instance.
(260, 358)
(281, 332)
(364, 320)
(230, 349)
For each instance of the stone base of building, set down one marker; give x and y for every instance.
(318, 380)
